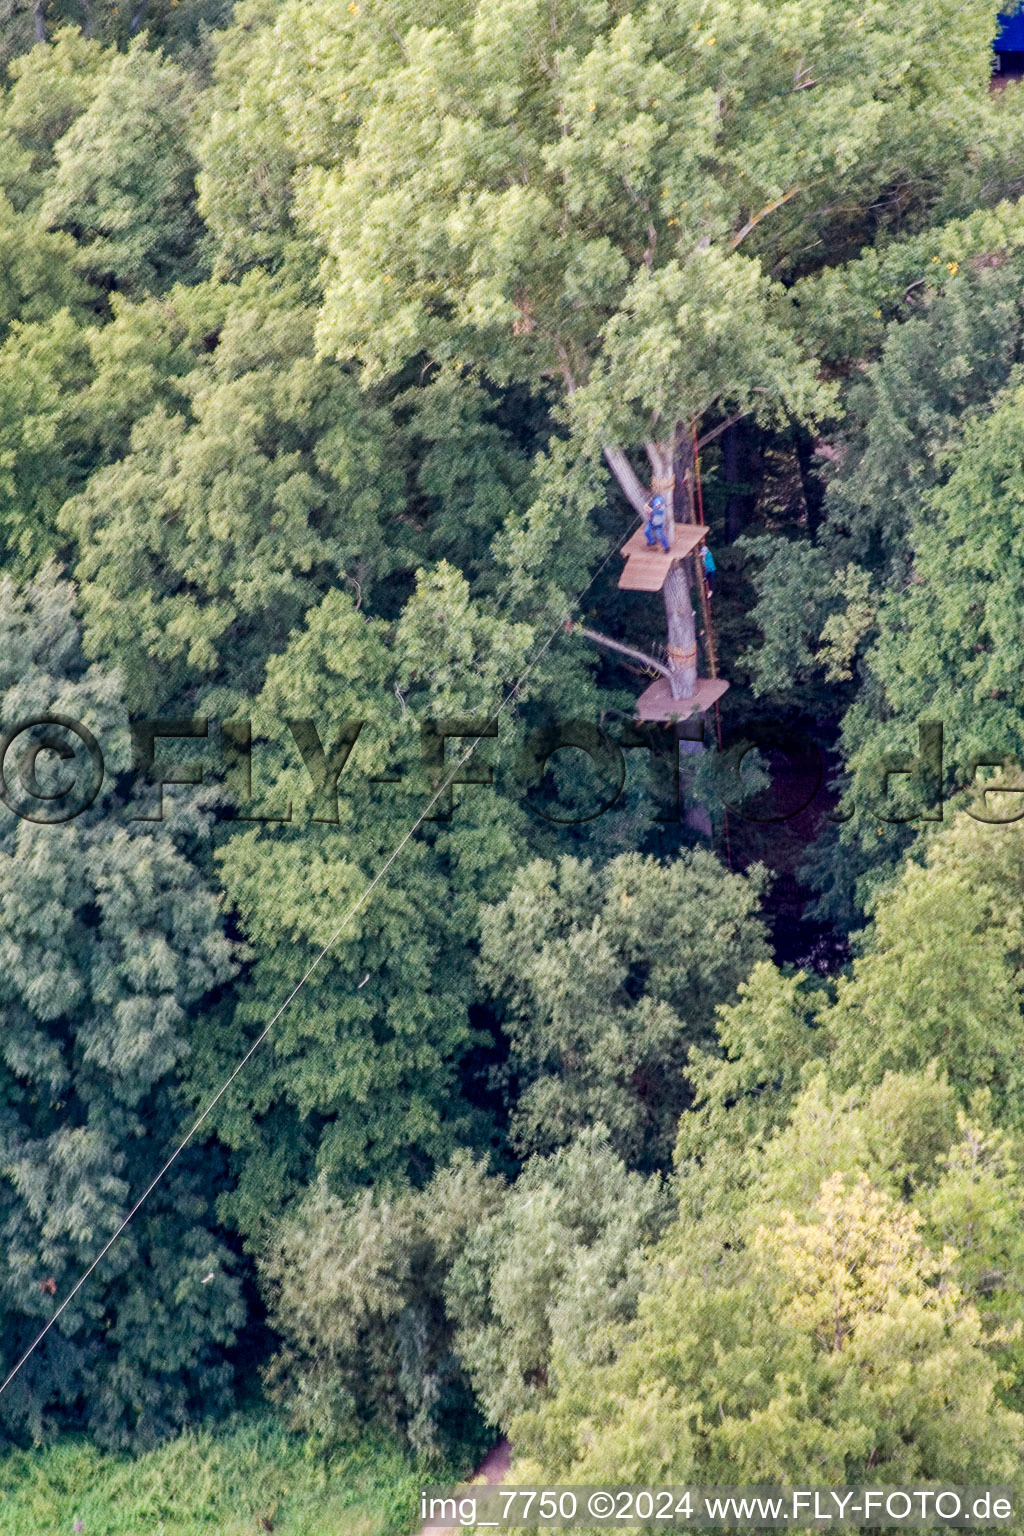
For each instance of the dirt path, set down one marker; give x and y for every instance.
(493, 1468)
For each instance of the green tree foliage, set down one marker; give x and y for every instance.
(942, 364)
(955, 346)
(857, 1282)
(603, 160)
(620, 185)
(235, 480)
(626, 192)
(764, 1041)
(609, 974)
(976, 1207)
(561, 1258)
(48, 89)
(124, 174)
(908, 1136)
(247, 160)
(953, 625)
(334, 462)
(41, 365)
(36, 276)
(361, 1077)
(112, 943)
(356, 1291)
(895, 1132)
(75, 391)
(846, 310)
(743, 1090)
(820, 1336)
(236, 505)
(841, 1291)
(885, 600)
(936, 984)
(179, 27)
(944, 650)
(939, 976)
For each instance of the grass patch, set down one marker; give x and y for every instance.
(232, 1481)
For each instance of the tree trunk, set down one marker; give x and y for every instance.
(663, 482)
(650, 662)
(629, 480)
(682, 633)
(678, 492)
(676, 593)
(39, 11)
(682, 625)
(682, 468)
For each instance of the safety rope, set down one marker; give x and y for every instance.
(709, 634)
(705, 606)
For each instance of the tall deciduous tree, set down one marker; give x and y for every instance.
(112, 941)
(948, 350)
(357, 1294)
(943, 649)
(819, 1329)
(743, 1090)
(124, 174)
(234, 479)
(609, 974)
(939, 975)
(621, 185)
(41, 366)
(561, 1259)
(361, 1079)
(47, 89)
(36, 274)
(252, 480)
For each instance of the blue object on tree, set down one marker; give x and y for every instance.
(1010, 37)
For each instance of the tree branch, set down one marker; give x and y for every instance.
(625, 650)
(628, 479)
(709, 437)
(660, 455)
(755, 221)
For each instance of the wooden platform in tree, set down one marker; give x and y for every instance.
(657, 702)
(647, 566)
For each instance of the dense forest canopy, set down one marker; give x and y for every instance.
(341, 348)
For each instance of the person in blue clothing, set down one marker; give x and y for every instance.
(657, 517)
(709, 569)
